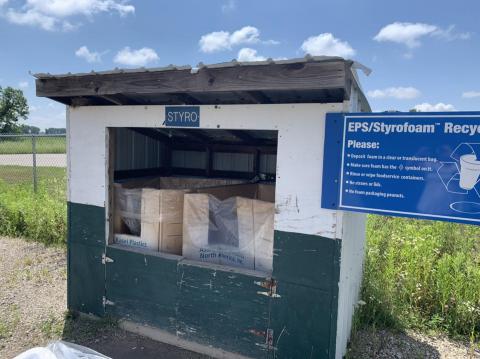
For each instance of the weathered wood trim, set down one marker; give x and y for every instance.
(296, 76)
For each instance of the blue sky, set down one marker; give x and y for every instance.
(422, 53)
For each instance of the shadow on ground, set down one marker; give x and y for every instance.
(106, 337)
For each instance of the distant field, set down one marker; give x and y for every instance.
(23, 175)
(24, 145)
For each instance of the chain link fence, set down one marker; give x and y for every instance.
(33, 161)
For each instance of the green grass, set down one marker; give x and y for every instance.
(8, 325)
(52, 327)
(37, 216)
(422, 275)
(23, 145)
(24, 174)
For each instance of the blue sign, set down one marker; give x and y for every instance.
(182, 116)
(424, 165)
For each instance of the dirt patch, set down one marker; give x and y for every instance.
(33, 299)
(32, 294)
(33, 312)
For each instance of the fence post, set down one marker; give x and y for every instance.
(34, 158)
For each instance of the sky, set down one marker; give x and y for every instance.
(423, 54)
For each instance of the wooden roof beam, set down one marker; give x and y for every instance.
(269, 77)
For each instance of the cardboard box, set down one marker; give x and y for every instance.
(177, 182)
(263, 217)
(233, 231)
(217, 231)
(160, 216)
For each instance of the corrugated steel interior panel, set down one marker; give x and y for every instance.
(237, 162)
(143, 149)
(189, 159)
(268, 163)
(135, 151)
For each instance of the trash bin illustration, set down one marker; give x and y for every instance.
(469, 171)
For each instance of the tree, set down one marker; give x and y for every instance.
(29, 129)
(55, 131)
(13, 107)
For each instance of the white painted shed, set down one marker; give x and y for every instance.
(261, 122)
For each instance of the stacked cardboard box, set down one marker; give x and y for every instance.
(160, 216)
(149, 211)
(230, 225)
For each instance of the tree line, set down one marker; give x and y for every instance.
(13, 109)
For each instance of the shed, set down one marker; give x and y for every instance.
(202, 131)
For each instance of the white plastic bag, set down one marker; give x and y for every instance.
(61, 350)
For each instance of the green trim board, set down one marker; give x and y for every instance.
(86, 279)
(142, 287)
(208, 304)
(304, 313)
(223, 308)
(199, 303)
(85, 271)
(86, 224)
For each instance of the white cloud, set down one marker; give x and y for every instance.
(224, 40)
(399, 93)
(52, 15)
(229, 6)
(89, 56)
(3, 2)
(23, 84)
(449, 34)
(215, 41)
(410, 34)
(405, 33)
(327, 45)
(65, 8)
(32, 18)
(247, 54)
(471, 94)
(427, 107)
(246, 35)
(140, 57)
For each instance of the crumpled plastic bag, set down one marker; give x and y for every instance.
(61, 350)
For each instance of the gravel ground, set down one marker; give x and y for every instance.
(33, 313)
(32, 294)
(369, 344)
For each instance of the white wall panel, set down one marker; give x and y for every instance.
(299, 160)
(351, 270)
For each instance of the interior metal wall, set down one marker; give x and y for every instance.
(136, 151)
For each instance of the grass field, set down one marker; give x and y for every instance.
(423, 275)
(23, 174)
(23, 145)
(40, 216)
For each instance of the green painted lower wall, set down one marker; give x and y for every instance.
(216, 307)
(208, 306)
(85, 271)
(304, 315)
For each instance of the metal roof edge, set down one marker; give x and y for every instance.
(233, 63)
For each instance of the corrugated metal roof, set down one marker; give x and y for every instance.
(310, 79)
(201, 65)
